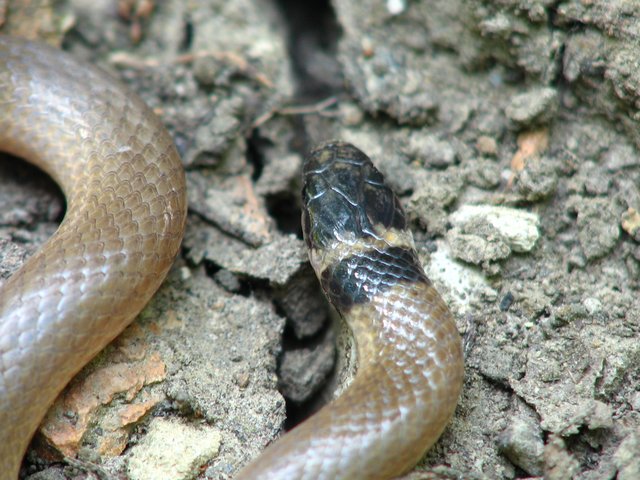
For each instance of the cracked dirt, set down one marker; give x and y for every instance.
(527, 109)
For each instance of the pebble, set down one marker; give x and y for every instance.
(537, 106)
(522, 443)
(518, 228)
(172, 449)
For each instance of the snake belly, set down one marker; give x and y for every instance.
(410, 362)
(126, 208)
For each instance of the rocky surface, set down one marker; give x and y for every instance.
(510, 129)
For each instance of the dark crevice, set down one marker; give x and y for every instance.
(299, 412)
(14, 170)
(285, 210)
(187, 35)
(238, 284)
(283, 207)
(559, 80)
(255, 146)
(312, 39)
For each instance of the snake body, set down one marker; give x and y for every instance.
(410, 367)
(126, 210)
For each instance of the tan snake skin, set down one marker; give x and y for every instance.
(126, 210)
(125, 192)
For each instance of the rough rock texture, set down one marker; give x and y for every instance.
(525, 105)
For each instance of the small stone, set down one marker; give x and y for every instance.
(581, 54)
(531, 145)
(518, 228)
(242, 379)
(534, 107)
(601, 416)
(429, 201)
(487, 145)
(351, 113)
(506, 302)
(627, 457)
(80, 412)
(173, 450)
(396, 7)
(592, 305)
(631, 223)
(185, 273)
(522, 443)
(559, 464)
(598, 227)
(484, 245)
(566, 314)
(484, 173)
(432, 151)
(619, 157)
(537, 180)
(208, 70)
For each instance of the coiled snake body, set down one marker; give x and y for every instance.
(126, 210)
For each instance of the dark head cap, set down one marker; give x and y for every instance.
(344, 196)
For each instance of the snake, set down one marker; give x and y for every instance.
(124, 185)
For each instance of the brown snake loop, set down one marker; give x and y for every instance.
(126, 210)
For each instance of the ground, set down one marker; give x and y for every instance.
(510, 130)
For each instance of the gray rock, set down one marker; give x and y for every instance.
(522, 443)
(517, 228)
(304, 371)
(537, 106)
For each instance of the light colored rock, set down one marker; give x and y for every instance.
(536, 106)
(518, 228)
(461, 283)
(522, 443)
(172, 450)
(627, 457)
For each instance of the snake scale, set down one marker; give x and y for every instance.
(126, 211)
